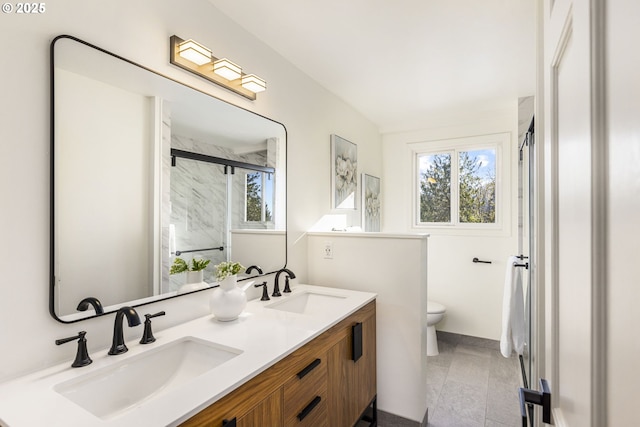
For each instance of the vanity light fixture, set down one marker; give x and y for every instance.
(227, 69)
(195, 58)
(194, 52)
(253, 83)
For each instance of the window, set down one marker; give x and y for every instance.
(259, 197)
(465, 194)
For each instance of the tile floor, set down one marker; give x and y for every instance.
(470, 384)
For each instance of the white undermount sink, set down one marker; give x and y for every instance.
(115, 389)
(306, 302)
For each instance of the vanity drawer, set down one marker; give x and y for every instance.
(307, 409)
(305, 395)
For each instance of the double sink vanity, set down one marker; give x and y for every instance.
(305, 359)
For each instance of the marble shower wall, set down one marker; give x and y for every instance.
(198, 203)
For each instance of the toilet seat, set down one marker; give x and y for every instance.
(435, 308)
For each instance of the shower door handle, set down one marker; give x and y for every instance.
(542, 398)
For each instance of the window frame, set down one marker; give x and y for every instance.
(499, 142)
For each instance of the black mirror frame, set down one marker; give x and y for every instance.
(52, 175)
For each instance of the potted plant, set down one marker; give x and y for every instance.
(228, 269)
(228, 301)
(194, 271)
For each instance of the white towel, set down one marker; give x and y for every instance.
(172, 240)
(513, 330)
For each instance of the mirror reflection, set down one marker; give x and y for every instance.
(146, 170)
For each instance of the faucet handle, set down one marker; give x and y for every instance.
(82, 355)
(265, 293)
(147, 335)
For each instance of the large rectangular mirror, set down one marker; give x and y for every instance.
(145, 169)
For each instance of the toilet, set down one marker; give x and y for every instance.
(435, 313)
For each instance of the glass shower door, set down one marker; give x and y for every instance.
(526, 169)
(198, 217)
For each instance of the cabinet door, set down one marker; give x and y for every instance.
(267, 413)
(241, 409)
(352, 384)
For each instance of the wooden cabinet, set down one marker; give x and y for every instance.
(352, 383)
(266, 413)
(317, 385)
(305, 395)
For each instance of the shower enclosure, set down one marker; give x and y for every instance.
(209, 197)
(526, 228)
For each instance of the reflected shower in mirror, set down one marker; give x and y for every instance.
(145, 169)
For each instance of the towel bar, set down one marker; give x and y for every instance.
(219, 248)
(525, 265)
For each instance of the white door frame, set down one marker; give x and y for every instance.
(547, 309)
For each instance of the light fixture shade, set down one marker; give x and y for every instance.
(253, 83)
(227, 69)
(194, 52)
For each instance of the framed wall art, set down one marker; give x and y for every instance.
(344, 176)
(370, 203)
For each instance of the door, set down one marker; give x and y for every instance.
(352, 383)
(573, 256)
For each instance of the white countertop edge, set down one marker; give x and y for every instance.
(19, 397)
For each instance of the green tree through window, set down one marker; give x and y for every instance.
(475, 182)
(477, 188)
(256, 199)
(435, 188)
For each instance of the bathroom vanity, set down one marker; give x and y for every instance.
(318, 385)
(304, 359)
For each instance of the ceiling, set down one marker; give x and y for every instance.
(403, 63)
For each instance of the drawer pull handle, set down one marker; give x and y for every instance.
(302, 415)
(309, 368)
(229, 423)
(356, 343)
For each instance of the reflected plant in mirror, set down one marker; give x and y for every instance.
(147, 170)
(180, 265)
(194, 273)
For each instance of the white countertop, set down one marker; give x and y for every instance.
(265, 337)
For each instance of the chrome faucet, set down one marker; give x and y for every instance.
(276, 285)
(118, 346)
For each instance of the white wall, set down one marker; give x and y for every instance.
(394, 267)
(471, 292)
(139, 31)
(90, 146)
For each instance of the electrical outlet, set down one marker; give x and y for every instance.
(328, 250)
